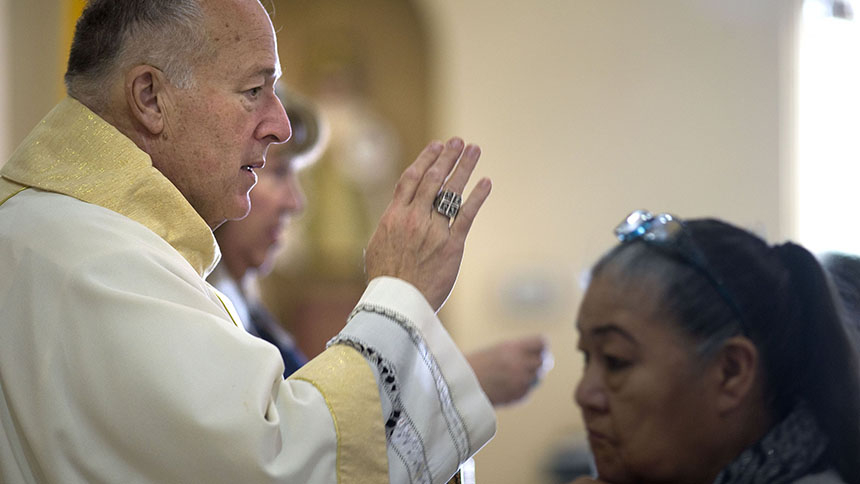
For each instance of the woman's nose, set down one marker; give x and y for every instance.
(589, 393)
(293, 198)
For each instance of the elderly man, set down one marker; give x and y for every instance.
(119, 363)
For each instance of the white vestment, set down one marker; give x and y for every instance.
(119, 363)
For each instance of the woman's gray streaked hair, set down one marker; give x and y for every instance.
(112, 35)
(681, 294)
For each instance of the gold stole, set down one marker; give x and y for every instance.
(362, 456)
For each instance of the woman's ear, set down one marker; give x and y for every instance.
(143, 86)
(736, 369)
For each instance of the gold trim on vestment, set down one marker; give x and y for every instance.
(76, 153)
(9, 189)
(227, 310)
(362, 455)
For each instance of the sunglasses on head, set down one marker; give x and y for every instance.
(669, 234)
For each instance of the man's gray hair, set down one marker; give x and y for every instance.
(112, 35)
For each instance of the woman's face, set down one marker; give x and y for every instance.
(646, 406)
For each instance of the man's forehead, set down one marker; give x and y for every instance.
(242, 31)
(235, 20)
(216, 4)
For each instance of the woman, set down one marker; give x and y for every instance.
(711, 357)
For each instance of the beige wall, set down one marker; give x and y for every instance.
(5, 91)
(35, 73)
(585, 110)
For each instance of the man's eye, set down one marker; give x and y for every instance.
(254, 92)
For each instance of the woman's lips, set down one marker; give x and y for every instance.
(598, 437)
(275, 233)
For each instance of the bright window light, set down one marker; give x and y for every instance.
(828, 150)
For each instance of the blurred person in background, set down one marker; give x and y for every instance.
(844, 270)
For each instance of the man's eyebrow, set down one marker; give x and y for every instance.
(267, 72)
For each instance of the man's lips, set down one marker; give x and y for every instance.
(254, 166)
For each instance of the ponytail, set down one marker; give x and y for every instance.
(820, 366)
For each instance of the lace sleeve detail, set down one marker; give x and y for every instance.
(402, 434)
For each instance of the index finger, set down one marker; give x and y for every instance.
(404, 192)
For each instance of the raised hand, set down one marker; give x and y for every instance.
(415, 242)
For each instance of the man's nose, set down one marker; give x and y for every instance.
(275, 125)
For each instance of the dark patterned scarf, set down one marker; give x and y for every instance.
(789, 451)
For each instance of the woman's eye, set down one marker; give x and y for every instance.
(615, 364)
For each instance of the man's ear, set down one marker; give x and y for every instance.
(144, 84)
(736, 372)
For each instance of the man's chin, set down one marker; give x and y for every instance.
(241, 210)
(238, 215)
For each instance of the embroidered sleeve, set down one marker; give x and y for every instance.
(431, 428)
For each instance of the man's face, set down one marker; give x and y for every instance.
(217, 132)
